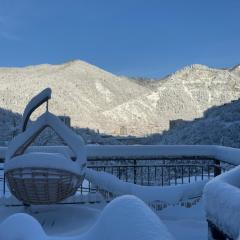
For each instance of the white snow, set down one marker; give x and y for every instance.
(227, 154)
(186, 223)
(46, 93)
(104, 91)
(167, 194)
(43, 160)
(129, 218)
(149, 150)
(22, 227)
(125, 218)
(74, 141)
(222, 202)
(64, 221)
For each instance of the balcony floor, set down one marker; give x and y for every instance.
(186, 223)
(183, 223)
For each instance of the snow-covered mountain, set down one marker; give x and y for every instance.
(80, 90)
(219, 126)
(97, 99)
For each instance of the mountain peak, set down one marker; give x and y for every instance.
(191, 68)
(198, 66)
(73, 61)
(236, 68)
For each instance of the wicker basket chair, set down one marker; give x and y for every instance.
(44, 178)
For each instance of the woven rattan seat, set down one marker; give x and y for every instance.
(33, 181)
(42, 186)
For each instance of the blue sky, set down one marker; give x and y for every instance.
(129, 37)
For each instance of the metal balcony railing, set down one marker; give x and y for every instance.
(150, 165)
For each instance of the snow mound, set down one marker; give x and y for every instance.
(125, 218)
(222, 201)
(129, 218)
(21, 226)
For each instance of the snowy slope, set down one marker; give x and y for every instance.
(219, 126)
(80, 90)
(100, 100)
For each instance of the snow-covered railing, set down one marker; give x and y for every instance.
(222, 204)
(221, 153)
(153, 165)
(150, 194)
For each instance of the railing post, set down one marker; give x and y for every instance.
(4, 184)
(217, 168)
(134, 171)
(214, 233)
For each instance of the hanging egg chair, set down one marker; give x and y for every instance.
(41, 177)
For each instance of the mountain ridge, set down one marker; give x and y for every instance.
(97, 99)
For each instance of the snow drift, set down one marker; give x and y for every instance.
(22, 227)
(126, 217)
(129, 218)
(222, 202)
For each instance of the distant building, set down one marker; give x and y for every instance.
(122, 131)
(177, 123)
(66, 120)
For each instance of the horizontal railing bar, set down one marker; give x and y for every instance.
(147, 158)
(162, 165)
(159, 157)
(113, 152)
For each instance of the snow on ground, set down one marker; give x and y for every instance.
(128, 218)
(186, 223)
(58, 220)
(125, 218)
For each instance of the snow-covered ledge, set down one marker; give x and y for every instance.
(225, 154)
(222, 202)
(149, 194)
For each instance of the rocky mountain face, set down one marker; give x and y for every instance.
(97, 99)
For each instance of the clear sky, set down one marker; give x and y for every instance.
(127, 37)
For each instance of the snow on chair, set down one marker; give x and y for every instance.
(38, 177)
